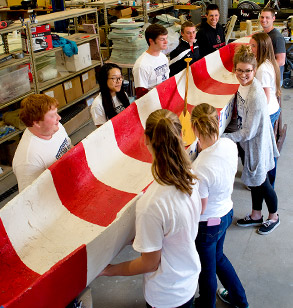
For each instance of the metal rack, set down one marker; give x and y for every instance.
(32, 57)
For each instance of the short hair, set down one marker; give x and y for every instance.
(269, 9)
(212, 7)
(187, 24)
(153, 31)
(34, 107)
(244, 54)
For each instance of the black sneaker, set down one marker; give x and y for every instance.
(248, 221)
(268, 226)
(224, 296)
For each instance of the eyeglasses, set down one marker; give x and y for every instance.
(117, 79)
(240, 71)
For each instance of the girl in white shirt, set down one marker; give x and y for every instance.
(215, 166)
(268, 73)
(112, 99)
(167, 218)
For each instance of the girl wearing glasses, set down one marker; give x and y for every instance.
(268, 73)
(215, 166)
(167, 218)
(112, 99)
(256, 140)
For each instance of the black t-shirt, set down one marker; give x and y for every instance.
(210, 39)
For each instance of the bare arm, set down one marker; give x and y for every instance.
(267, 93)
(204, 203)
(280, 58)
(147, 262)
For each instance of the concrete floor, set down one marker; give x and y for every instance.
(263, 263)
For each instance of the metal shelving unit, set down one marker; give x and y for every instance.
(31, 57)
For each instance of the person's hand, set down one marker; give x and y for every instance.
(105, 271)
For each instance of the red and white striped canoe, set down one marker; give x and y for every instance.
(61, 231)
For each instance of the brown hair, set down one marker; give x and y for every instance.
(171, 164)
(212, 7)
(35, 106)
(153, 31)
(187, 24)
(269, 9)
(204, 118)
(265, 51)
(244, 54)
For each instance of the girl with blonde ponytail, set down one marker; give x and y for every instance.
(167, 218)
(215, 167)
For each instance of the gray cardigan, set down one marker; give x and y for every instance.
(256, 137)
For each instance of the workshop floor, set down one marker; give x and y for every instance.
(263, 263)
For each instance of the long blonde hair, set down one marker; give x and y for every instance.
(171, 164)
(265, 51)
(204, 118)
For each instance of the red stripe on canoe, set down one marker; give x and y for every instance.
(169, 96)
(129, 134)
(82, 194)
(58, 286)
(205, 83)
(16, 277)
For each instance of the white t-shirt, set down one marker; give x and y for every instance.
(216, 167)
(98, 112)
(149, 71)
(167, 219)
(34, 155)
(267, 77)
(241, 104)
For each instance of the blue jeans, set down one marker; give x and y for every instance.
(209, 244)
(272, 173)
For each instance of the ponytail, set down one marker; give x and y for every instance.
(204, 118)
(171, 164)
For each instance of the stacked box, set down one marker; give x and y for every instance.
(128, 41)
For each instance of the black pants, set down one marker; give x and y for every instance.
(186, 305)
(264, 192)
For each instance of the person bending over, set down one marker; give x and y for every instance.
(167, 218)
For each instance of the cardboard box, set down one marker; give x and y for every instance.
(89, 100)
(79, 61)
(74, 123)
(41, 38)
(57, 92)
(72, 89)
(88, 80)
(121, 13)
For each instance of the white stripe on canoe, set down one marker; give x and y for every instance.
(111, 166)
(196, 96)
(219, 72)
(41, 230)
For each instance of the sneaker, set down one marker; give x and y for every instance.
(224, 296)
(268, 226)
(248, 221)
